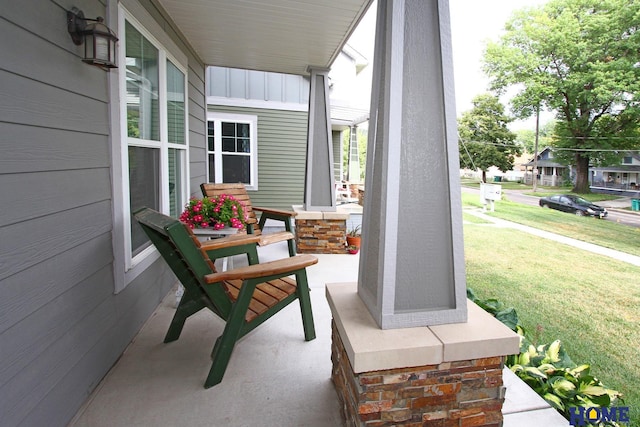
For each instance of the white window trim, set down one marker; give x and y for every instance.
(126, 267)
(253, 130)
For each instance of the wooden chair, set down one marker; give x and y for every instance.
(244, 297)
(254, 226)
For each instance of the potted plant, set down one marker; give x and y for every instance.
(353, 249)
(216, 213)
(353, 236)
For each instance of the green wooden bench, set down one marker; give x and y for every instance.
(244, 297)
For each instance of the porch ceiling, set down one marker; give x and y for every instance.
(282, 36)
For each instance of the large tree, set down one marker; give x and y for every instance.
(527, 137)
(580, 59)
(485, 139)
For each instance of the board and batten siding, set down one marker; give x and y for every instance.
(282, 145)
(62, 327)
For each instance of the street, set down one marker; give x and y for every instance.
(630, 219)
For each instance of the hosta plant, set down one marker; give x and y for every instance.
(549, 370)
(551, 373)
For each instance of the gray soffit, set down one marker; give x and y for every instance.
(283, 36)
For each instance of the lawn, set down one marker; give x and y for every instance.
(588, 301)
(603, 233)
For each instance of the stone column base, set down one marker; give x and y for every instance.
(445, 375)
(463, 393)
(321, 232)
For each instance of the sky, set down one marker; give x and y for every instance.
(473, 22)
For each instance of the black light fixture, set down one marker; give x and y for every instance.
(99, 41)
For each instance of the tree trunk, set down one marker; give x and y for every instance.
(582, 174)
(484, 176)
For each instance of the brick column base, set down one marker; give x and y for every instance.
(321, 236)
(462, 393)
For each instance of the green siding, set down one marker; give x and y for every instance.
(282, 143)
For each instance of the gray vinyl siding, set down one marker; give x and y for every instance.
(61, 325)
(282, 144)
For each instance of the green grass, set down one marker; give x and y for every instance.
(506, 185)
(473, 219)
(588, 301)
(603, 233)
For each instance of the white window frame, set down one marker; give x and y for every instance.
(127, 267)
(218, 118)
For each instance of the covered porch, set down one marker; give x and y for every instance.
(77, 282)
(274, 377)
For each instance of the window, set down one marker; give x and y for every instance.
(232, 149)
(627, 160)
(154, 144)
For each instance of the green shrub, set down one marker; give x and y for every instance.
(548, 369)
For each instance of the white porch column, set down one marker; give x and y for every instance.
(354, 156)
(319, 186)
(412, 258)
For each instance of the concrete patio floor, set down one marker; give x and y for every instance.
(274, 378)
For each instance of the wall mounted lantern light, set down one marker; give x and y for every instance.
(99, 41)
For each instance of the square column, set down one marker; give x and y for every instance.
(412, 256)
(319, 187)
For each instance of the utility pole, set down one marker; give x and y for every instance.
(535, 150)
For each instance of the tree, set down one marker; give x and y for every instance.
(362, 152)
(485, 139)
(527, 137)
(581, 60)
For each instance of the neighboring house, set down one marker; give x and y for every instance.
(82, 148)
(625, 176)
(550, 172)
(257, 127)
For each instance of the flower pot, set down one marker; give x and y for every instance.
(352, 249)
(353, 241)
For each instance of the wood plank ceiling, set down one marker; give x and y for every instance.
(282, 36)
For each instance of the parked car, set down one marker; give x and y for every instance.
(573, 204)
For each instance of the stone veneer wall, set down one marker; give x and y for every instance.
(321, 236)
(461, 394)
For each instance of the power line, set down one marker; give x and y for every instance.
(599, 150)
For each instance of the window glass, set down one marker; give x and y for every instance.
(175, 104)
(176, 174)
(231, 149)
(210, 135)
(144, 186)
(236, 169)
(143, 115)
(156, 161)
(212, 168)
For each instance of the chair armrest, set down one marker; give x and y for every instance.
(229, 241)
(278, 212)
(282, 267)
